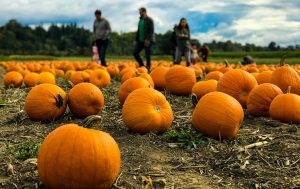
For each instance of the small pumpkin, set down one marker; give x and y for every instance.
(45, 102)
(100, 78)
(31, 79)
(85, 99)
(264, 77)
(201, 88)
(260, 98)
(72, 156)
(158, 76)
(218, 115)
(216, 75)
(46, 77)
(13, 78)
(180, 80)
(147, 110)
(148, 78)
(80, 77)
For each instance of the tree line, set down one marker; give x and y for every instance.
(72, 40)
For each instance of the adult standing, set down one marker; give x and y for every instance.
(183, 42)
(101, 30)
(144, 38)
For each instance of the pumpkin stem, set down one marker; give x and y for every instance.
(157, 108)
(91, 120)
(289, 89)
(282, 60)
(59, 101)
(226, 63)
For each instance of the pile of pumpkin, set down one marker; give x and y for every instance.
(224, 92)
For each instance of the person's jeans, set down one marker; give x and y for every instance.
(102, 46)
(139, 46)
(178, 56)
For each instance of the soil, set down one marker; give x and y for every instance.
(150, 161)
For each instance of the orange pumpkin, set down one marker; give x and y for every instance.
(100, 78)
(85, 99)
(45, 102)
(13, 78)
(148, 78)
(127, 76)
(158, 76)
(226, 68)
(79, 77)
(130, 85)
(260, 99)
(286, 108)
(147, 110)
(113, 70)
(72, 156)
(31, 79)
(216, 75)
(46, 77)
(264, 77)
(238, 84)
(201, 88)
(218, 115)
(180, 80)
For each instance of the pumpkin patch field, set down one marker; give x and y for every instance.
(76, 124)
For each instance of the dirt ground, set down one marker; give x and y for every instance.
(272, 163)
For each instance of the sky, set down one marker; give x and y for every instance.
(244, 21)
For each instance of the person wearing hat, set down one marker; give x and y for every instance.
(247, 60)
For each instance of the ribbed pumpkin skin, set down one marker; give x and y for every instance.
(180, 80)
(147, 110)
(216, 75)
(13, 78)
(201, 88)
(238, 84)
(218, 115)
(285, 76)
(286, 108)
(80, 77)
(264, 77)
(46, 77)
(85, 99)
(44, 104)
(148, 78)
(100, 78)
(260, 99)
(31, 79)
(130, 85)
(75, 157)
(158, 76)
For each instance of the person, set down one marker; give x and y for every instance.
(101, 30)
(173, 42)
(144, 38)
(95, 56)
(247, 60)
(204, 53)
(183, 42)
(194, 56)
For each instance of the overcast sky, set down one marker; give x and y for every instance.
(253, 21)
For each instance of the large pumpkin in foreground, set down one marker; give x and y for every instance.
(45, 102)
(238, 84)
(218, 115)
(147, 110)
(72, 156)
(180, 80)
(260, 99)
(85, 99)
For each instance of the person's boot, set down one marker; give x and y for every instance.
(194, 99)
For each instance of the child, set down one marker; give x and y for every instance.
(194, 56)
(95, 56)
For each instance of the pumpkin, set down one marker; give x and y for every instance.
(147, 110)
(286, 108)
(285, 76)
(127, 75)
(80, 77)
(69, 74)
(45, 102)
(130, 85)
(59, 73)
(238, 84)
(226, 68)
(72, 156)
(148, 78)
(13, 78)
(180, 80)
(218, 115)
(264, 77)
(158, 77)
(198, 71)
(216, 75)
(201, 88)
(100, 78)
(85, 99)
(31, 79)
(46, 77)
(260, 98)
(142, 69)
(113, 70)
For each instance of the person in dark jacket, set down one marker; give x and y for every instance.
(183, 42)
(144, 38)
(101, 34)
(204, 52)
(173, 41)
(247, 60)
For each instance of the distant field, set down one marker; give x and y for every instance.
(293, 57)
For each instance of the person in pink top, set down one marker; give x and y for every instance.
(95, 56)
